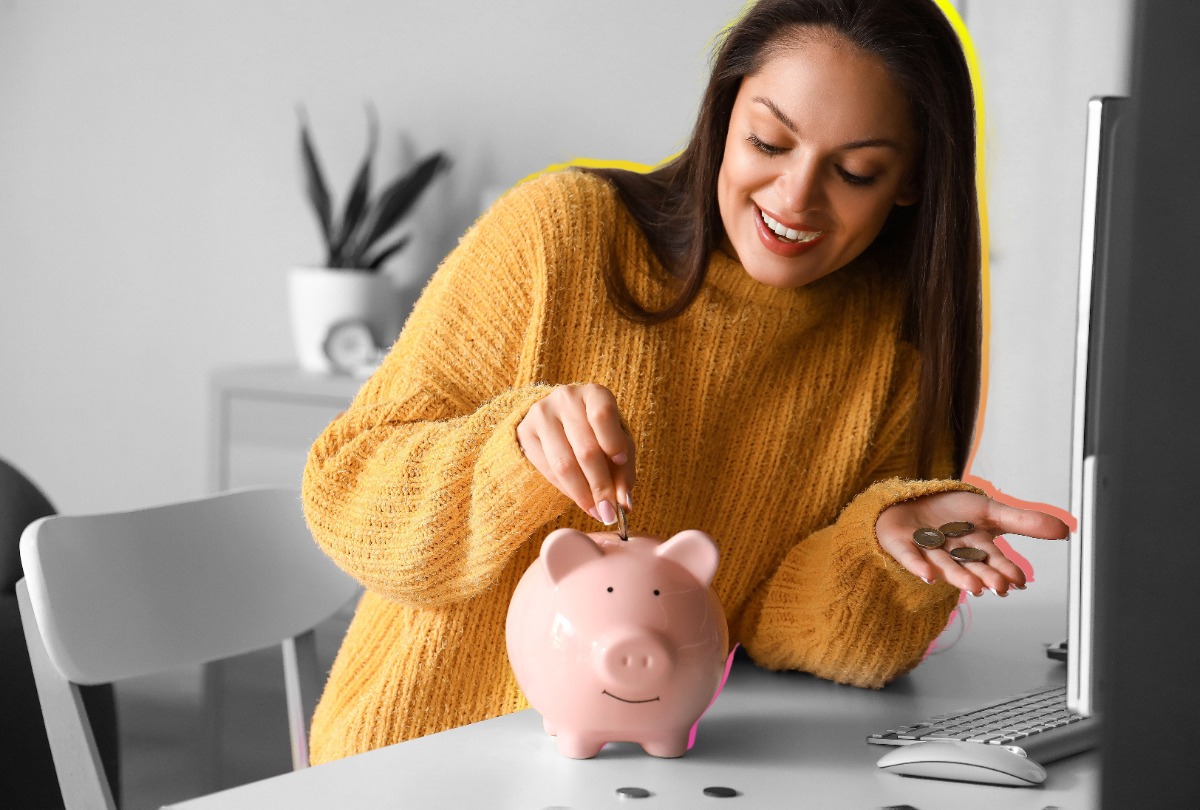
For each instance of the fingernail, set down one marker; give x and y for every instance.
(595, 516)
(927, 581)
(1001, 595)
(626, 501)
(608, 515)
(620, 458)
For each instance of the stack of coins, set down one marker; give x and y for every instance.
(936, 538)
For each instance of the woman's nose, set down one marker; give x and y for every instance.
(799, 187)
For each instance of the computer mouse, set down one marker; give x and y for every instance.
(964, 762)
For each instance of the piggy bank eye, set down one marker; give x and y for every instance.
(656, 591)
(610, 588)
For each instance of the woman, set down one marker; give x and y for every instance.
(779, 331)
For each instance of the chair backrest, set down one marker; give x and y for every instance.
(118, 595)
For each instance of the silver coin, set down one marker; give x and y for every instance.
(968, 554)
(959, 528)
(929, 538)
(622, 529)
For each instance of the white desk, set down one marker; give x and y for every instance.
(781, 739)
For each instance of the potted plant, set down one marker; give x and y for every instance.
(347, 310)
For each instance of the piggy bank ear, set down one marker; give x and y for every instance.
(564, 550)
(695, 551)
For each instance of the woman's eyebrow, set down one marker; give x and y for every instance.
(778, 113)
(787, 122)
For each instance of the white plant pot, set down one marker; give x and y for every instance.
(320, 298)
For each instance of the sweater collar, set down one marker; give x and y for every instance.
(811, 301)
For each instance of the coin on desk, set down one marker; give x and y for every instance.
(968, 554)
(929, 538)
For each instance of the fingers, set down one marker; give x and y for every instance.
(1004, 519)
(624, 476)
(574, 437)
(934, 565)
(997, 573)
(583, 467)
(614, 442)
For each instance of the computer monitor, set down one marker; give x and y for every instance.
(1147, 470)
(1102, 255)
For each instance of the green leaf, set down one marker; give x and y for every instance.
(318, 192)
(397, 199)
(360, 190)
(384, 254)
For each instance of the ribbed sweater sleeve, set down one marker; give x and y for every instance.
(420, 490)
(839, 606)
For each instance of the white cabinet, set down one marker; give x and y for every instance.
(265, 419)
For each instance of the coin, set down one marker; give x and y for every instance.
(968, 554)
(957, 529)
(622, 529)
(929, 538)
(633, 793)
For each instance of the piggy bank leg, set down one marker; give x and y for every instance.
(668, 746)
(549, 727)
(579, 746)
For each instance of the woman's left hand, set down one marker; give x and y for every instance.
(990, 518)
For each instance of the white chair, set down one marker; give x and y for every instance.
(112, 596)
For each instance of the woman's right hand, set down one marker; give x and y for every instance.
(574, 437)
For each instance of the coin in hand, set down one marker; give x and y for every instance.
(959, 528)
(929, 538)
(968, 554)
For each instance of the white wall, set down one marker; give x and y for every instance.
(150, 198)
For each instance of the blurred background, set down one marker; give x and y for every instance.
(152, 197)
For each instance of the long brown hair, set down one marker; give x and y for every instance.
(934, 244)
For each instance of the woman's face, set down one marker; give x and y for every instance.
(820, 147)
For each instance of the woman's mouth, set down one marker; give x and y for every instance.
(785, 233)
(781, 239)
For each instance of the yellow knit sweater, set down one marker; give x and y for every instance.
(778, 421)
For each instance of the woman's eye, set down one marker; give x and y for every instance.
(855, 179)
(764, 147)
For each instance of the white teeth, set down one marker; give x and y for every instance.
(788, 233)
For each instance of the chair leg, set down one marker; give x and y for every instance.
(72, 744)
(212, 714)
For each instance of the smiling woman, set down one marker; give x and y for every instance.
(777, 334)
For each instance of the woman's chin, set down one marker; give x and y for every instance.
(784, 276)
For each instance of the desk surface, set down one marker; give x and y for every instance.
(780, 739)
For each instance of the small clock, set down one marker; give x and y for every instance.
(350, 346)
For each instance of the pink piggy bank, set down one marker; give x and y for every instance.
(619, 641)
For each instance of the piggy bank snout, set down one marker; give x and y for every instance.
(635, 659)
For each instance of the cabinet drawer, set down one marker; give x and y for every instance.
(274, 423)
(268, 440)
